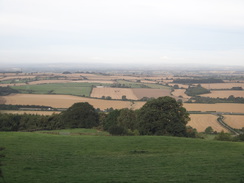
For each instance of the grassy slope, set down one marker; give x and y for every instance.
(35, 157)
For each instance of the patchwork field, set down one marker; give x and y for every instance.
(224, 93)
(65, 101)
(202, 121)
(180, 92)
(220, 107)
(235, 121)
(147, 92)
(114, 93)
(222, 85)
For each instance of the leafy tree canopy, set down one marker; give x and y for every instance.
(80, 115)
(163, 116)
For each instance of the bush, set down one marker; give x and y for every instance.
(223, 136)
(117, 130)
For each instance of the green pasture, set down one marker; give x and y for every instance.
(80, 89)
(69, 157)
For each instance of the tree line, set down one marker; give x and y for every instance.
(162, 116)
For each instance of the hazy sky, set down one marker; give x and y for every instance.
(116, 31)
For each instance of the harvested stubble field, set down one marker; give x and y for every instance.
(220, 107)
(147, 92)
(30, 112)
(222, 85)
(114, 93)
(180, 92)
(224, 93)
(235, 121)
(65, 101)
(202, 121)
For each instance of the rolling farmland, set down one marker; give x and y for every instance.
(114, 93)
(235, 121)
(202, 121)
(65, 101)
(148, 92)
(224, 94)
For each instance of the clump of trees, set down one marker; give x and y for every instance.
(196, 90)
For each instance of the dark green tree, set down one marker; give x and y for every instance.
(209, 130)
(80, 115)
(127, 119)
(111, 119)
(163, 116)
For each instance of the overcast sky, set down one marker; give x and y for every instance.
(128, 31)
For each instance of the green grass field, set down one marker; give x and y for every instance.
(79, 89)
(39, 157)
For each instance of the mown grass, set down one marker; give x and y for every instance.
(80, 89)
(37, 157)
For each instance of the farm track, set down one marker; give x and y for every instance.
(222, 123)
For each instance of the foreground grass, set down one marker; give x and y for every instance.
(38, 157)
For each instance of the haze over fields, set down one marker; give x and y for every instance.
(141, 32)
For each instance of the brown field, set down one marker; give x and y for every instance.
(224, 94)
(202, 121)
(114, 93)
(222, 85)
(235, 121)
(65, 101)
(221, 107)
(30, 112)
(147, 92)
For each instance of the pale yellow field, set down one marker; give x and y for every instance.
(147, 92)
(222, 85)
(224, 94)
(202, 121)
(114, 93)
(220, 107)
(180, 92)
(235, 121)
(30, 112)
(65, 101)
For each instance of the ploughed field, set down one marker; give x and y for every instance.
(68, 157)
